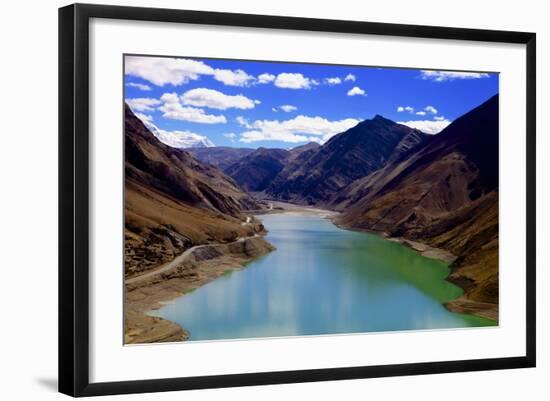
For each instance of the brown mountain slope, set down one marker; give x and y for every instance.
(444, 194)
(294, 162)
(346, 157)
(255, 171)
(220, 156)
(300, 150)
(359, 188)
(173, 201)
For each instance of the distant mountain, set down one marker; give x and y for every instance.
(358, 189)
(350, 155)
(304, 148)
(220, 156)
(173, 201)
(255, 171)
(443, 193)
(296, 158)
(198, 141)
(178, 139)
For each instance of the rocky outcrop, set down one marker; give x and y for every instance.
(177, 174)
(173, 201)
(220, 156)
(204, 264)
(141, 329)
(255, 171)
(345, 158)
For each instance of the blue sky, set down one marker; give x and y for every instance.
(186, 101)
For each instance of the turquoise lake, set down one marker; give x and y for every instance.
(321, 280)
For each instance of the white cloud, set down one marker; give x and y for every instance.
(177, 71)
(144, 117)
(288, 108)
(350, 77)
(427, 126)
(176, 111)
(294, 81)
(142, 87)
(265, 78)
(407, 109)
(431, 109)
(176, 139)
(184, 139)
(143, 103)
(170, 98)
(439, 118)
(231, 136)
(173, 109)
(442, 76)
(203, 97)
(243, 122)
(333, 81)
(233, 78)
(256, 136)
(356, 91)
(163, 70)
(299, 129)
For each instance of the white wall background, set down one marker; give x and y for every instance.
(28, 199)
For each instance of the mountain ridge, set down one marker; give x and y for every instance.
(344, 158)
(445, 194)
(219, 156)
(173, 201)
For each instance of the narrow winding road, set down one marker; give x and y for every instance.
(178, 260)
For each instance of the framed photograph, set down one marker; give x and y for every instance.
(251, 199)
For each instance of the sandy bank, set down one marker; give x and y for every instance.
(296, 210)
(426, 250)
(194, 268)
(465, 305)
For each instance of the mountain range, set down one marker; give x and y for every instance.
(219, 156)
(439, 190)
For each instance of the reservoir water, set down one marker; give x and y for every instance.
(321, 280)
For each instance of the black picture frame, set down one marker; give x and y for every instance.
(74, 198)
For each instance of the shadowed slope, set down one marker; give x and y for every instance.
(173, 201)
(344, 158)
(444, 194)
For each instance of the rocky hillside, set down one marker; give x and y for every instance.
(220, 156)
(255, 171)
(173, 201)
(346, 157)
(445, 194)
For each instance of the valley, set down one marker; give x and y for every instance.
(194, 215)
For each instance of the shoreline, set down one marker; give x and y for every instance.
(278, 207)
(461, 304)
(420, 247)
(194, 268)
(201, 264)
